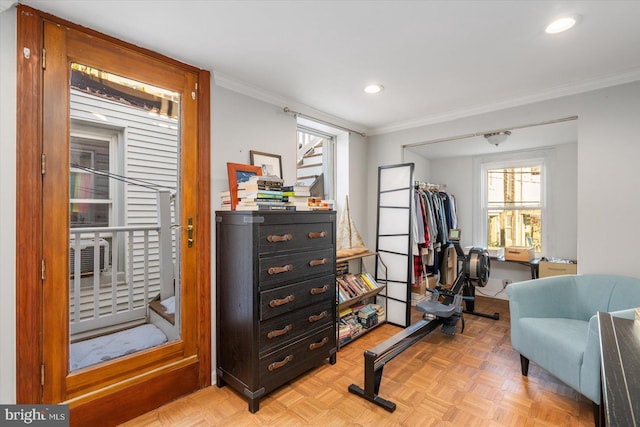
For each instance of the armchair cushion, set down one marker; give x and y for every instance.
(554, 323)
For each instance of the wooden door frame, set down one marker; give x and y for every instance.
(29, 245)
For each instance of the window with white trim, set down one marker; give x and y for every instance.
(316, 161)
(93, 195)
(513, 204)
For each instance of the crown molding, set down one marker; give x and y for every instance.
(260, 94)
(545, 95)
(569, 89)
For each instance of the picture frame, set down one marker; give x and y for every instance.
(271, 164)
(237, 173)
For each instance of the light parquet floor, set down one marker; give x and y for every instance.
(470, 379)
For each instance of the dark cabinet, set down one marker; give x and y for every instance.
(275, 298)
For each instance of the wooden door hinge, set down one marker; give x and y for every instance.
(43, 270)
(44, 58)
(42, 375)
(43, 163)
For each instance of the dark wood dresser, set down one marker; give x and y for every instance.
(275, 297)
(620, 369)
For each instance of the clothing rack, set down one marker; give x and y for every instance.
(428, 186)
(439, 208)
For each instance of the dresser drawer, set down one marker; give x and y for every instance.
(287, 327)
(284, 299)
(295, 237)
(295, 358)
(295, 266)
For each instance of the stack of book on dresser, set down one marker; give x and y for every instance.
(225, 200)
(261, 193)
(297, 195)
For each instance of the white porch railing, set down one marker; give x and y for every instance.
(109, 297)
(114, 270)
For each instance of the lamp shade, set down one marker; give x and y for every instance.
(497, 138)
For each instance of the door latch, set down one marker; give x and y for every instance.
(190, 232)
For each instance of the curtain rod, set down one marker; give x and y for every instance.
(471, 135)
(295, 113)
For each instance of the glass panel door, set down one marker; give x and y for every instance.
(124, 169)
(119, 226)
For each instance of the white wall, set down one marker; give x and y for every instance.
(7, 205)
(560, 220)
(357, 173)
(607, 152)
(609, 182)
(241, 123)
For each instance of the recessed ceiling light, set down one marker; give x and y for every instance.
(374, 88)
(560, 25)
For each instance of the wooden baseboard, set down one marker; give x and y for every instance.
(117, 407)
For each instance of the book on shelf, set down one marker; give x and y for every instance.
(259, 182)
(357, 307)
(295, 199)
(345, 292)
(369, 280)
(297, 194)
(260, 194)
(296, 188)
(346, 311)
(352, 285)
(367, 311)
(357, 291)
(368, 317)
(261, 208)
(300, 206)
(342, 267)
(225, 200)
(363, 288)
(249, 205)
(342, 295)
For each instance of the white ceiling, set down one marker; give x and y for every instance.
(437, 60)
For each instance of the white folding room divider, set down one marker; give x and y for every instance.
(393, 239)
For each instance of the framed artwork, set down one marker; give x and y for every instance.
(271, 164)
(238, 173)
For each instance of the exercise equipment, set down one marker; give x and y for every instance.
(474, 272)
(443, 309)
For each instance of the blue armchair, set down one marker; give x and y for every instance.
(554, 324)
